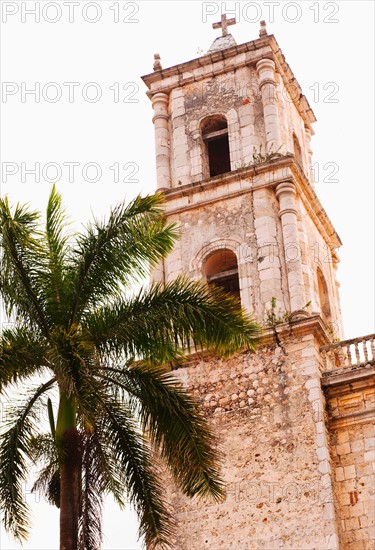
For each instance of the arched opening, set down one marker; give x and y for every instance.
(325, 308)
(216, 145)
(297, 149)
(221, 269)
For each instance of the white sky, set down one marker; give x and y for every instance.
(331, 60)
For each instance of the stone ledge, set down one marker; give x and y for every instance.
(347, 375)
(245, 173)
(350, 395)
(167, 79)
(270, 174)
(351, 419)
(313, 325)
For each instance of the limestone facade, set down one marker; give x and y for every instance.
(232, 135)
(265, 212)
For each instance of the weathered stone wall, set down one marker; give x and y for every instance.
(291, 122)
(260, 216)
(351, 410)
(315, 252)
(249, 225)
(267, 411)
(257, 244)
(234, 94)
(354, 465)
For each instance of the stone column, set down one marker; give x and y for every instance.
(267, 85)
(336, 300)
(310, 170)
(160, 119)
(285, 192)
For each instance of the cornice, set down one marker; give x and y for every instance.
(222, 61)
(342, 379)
(313, 324)
(208, 59)
(267, 174)
(350, 393)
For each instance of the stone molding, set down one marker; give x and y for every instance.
(216, 63)
(350, 394)
(312, 324)
(232, 244)
(268, 174)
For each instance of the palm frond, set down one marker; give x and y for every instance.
(43, 450)
(174, 423)
(22, 354)
(54, 265)
(110, 478)
(48, 483)
(162, 320)
(73, 320)
(110, 254)
(131, 451)
(14, 450)
(55, 225)
(20, 243)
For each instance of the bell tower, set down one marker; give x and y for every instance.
(232, 134)
(233, 158)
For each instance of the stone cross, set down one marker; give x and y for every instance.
(224, 24)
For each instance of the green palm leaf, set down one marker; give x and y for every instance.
(112, 254)
(15, 448)
(117, 419)
(131, 451)
(22, 354)
(19, 242)
(174, 423)
(161, 320)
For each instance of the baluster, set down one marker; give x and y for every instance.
(349, 353)
(345, 353)
(331, 358)
(365, 353)
(358, 357)
(350, 360)
(324, 357)
(341, 357)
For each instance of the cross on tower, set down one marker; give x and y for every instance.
(224, 24)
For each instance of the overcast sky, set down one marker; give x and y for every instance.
(92, 110)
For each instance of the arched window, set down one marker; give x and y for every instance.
(221, 269)
(216, 145)
(297, 149)
(325, 308)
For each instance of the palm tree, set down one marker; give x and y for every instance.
(107, 358)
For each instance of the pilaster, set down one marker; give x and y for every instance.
(160, 119)
(267, 84)
(286, 192)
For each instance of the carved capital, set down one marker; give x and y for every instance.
(161, 98)
(160, 103)
(265, 64)
(285, 188)
(266, 72)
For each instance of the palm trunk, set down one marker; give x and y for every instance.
(70, 473)
(69, 490)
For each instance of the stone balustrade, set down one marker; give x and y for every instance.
(349, 353)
